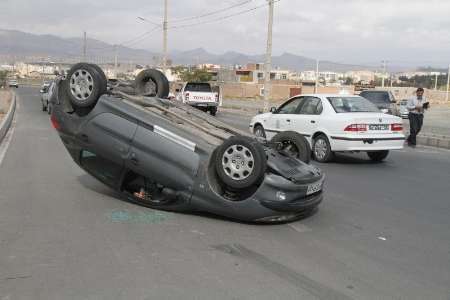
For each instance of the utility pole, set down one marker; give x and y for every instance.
(165, 37)
(316, 85)
(436, 81)
(268, 64)
(115, 60)
(384, 73)
(84, 46)
(448, 83)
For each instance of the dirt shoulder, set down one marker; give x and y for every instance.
(5, 101)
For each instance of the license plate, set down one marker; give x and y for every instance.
(314, 188)
(375, 127)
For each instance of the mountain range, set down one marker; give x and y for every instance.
(17, 45)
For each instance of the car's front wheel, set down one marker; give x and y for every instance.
(378, 156)
(322, 150)
(293, 144)
(240, 162)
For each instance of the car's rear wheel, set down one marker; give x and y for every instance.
(294, 144)
(259, 131)
(100, 72)
(240, 162)
(378, 155)
(213, 111)
(84, 86)
(152, 83)
(322, 150)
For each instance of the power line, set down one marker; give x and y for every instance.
(211, 13)
(129, 42)
(224, 17)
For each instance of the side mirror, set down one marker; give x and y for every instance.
(273, 109)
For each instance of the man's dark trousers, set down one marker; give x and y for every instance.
(415, 125)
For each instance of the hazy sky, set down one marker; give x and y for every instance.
(351, 31)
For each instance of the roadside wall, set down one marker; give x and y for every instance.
(437, 97)
(253, 90)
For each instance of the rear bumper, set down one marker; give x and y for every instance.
(355, 143)
(202, 104)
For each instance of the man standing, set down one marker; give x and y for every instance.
(416, 106)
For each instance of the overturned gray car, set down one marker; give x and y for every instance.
(169, 156)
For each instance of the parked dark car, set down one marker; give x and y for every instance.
(384, 100)
(167, 155)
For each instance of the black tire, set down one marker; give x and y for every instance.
(84, 86)
(378, 156)
(213, 111)
(240, 162)
(322, 149)
(103, 78)
(259, 131)
(294, 144)
(152, 83)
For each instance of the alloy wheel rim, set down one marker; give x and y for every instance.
(320, 149)
(238, 162)
(81, 85)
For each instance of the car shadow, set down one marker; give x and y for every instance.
(96, 186)
(355, 159)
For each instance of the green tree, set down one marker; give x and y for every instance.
(196, 75)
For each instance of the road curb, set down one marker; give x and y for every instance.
(433, 142)
(7, 120)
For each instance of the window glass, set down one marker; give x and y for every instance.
(310, 106)
(290, 107)
(198, 87)
(101, 168)
(352, 104)
(377, 97)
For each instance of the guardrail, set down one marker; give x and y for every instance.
(7, 120)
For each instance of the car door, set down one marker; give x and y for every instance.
(163, 156)
(307, 119)
(281, 119)
(105, 142)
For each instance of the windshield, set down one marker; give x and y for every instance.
(377, 97)
(352, 104)
(198, 87)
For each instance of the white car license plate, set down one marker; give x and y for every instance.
(314, 188)
(377, 127)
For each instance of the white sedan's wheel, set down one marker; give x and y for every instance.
(238, 162)
(322, 150)
(259, 132)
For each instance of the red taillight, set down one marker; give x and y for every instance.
(356, 128)
(55, 123)
(396, 127)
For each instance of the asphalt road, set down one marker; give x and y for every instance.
(383, 232)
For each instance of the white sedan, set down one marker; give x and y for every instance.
(333, 123)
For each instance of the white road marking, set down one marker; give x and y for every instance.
(382, 238)
(6, 141)
(299, 227)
